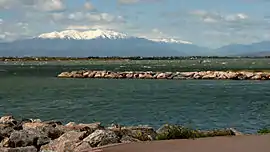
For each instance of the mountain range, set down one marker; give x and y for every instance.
(110, 43)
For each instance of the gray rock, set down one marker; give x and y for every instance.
(8, 120)
(29, 137)
(82, 147)
(19, 149)
(4, 142)
(64, 75)
(235, 132)
(5, 131)
(128, 139)
(66, 142)
(102, 137)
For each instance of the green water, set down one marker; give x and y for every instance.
(31, 90)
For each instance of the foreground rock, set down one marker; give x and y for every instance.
(217, 75)
(30, 135)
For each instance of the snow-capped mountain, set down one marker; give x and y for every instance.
(171, 40)
(84, 35)
(97, 33)
(97, 43)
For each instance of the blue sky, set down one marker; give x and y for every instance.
(211, 23)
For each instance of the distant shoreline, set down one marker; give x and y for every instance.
(121, 58)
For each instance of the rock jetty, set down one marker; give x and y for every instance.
(34, 135)
(215, 75)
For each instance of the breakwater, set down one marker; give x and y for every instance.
(33, 135)
(216, 75)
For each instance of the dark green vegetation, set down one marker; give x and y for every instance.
(180, 132)
(264, 131)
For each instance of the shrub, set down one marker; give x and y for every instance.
(264, 131)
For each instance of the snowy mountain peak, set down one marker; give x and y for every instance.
(84, 35)
(170, 40)
(98, 33)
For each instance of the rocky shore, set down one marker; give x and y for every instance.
(33, 135)
(216, 75)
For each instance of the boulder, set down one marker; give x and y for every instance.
(64, 75)
(101, 138)
(129, 75)
(53, 123)
(29, 137)
(187, 74)
(5, 132)
(235, 132)
(34, 125)
(167, 132)
(66, 142)
(232, 75)
(256, 77)
(19, 149)
(85, 74)
(128, 139)
(82, 146)
(142, 133)
(90, 128)
(4, 142)
(91, 74)
(8, 120)
(161, 76)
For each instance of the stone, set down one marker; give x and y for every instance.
(33, 125)
(232, 75)
(82, 146)
(235, 132)
(187, 74)
(128, 139)
(129, 75)
(4, 142)
(101, 138)
(256, 77)
(29, 137)
(161, 76)
(142, 133)
(5, 132)
(35, 120)
(64, 75)
(19, 149)
(53, 123)
(66, 142)
(70, 124)
(90, 128)
(92, 74)
(85, 74)
(52, 132)
(8, 120)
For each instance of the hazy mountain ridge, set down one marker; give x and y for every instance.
(110, 43)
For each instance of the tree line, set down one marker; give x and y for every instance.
(119, 58)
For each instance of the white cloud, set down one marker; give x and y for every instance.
(236, 17)
(88, 6)
(210, 20)
(40, 5)
(128, 1)
(50, 5)
(215, 17)
(11, 30)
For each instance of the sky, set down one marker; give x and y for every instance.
(209, 23)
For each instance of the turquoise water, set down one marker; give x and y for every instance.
(31, 91)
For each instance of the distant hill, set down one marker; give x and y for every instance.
(254, 49)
